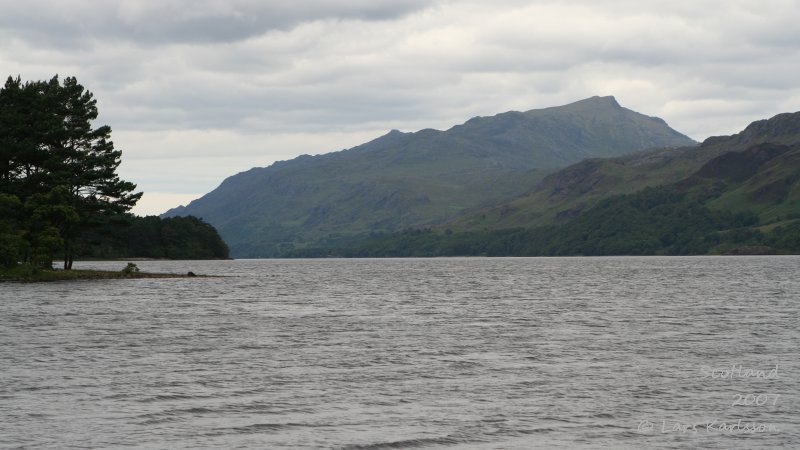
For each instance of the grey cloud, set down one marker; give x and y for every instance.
(59, 23)
(250, 69)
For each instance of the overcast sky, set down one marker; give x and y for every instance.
(198, 90)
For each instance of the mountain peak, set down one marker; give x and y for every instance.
(605, 100)
(780, 125)
(596, 102)
(591, 104)
(778, 129)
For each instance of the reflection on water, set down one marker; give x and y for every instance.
(408, 353)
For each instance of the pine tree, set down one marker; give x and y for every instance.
(85, 161)
(48, 147)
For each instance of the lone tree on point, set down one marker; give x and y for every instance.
(58, 174)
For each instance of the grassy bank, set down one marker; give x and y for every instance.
(27, 274)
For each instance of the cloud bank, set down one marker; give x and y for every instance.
(198, 90)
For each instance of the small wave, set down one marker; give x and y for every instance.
(534, 431)
(410, 443)
(253, 347)
(168, 397)
(263, 427)
(156, 421)
(189, 350)
(560, 419)
(256, 428)
(173, 415)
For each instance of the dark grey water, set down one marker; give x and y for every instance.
(414, 353)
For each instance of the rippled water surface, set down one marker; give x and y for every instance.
(408, 353)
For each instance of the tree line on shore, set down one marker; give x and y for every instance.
(60, 194)
(656, 221)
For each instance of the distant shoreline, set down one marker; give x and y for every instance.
(149, 259)
(21, 276)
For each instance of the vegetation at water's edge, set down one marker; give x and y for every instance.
(655, 221)
(60, 194)
(30, 274)
(153, 237)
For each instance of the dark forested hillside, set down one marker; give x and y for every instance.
(154, 237)
(655, 221)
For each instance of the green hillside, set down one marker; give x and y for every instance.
(404, 180)
(773, 192)
(743, 197)
(567, 193)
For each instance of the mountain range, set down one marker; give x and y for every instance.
(479, 174)
(565, 193)
(735, 194)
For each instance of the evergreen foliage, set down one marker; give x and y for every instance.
(655, 221)
(60, 194)
(57, 172)
(153, 237)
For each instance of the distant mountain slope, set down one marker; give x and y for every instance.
(565, 194)
(773, 190)
(742, 200)
(404, 180)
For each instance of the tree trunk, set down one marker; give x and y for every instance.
(67, 255)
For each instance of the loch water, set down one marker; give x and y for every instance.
(462, 353)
